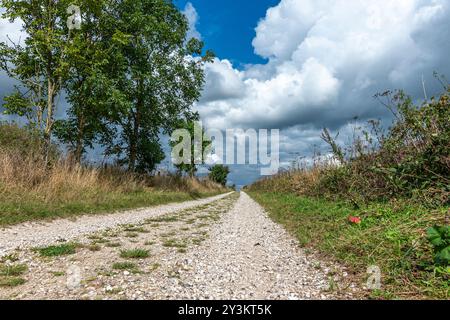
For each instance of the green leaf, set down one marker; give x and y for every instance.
(434, 237)
(443, 257)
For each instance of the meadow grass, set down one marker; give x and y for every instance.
(391, 236)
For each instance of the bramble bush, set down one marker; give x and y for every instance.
(409, 160)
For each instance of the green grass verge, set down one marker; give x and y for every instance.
(22, 208)
(390, 236)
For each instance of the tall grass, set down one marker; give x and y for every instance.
(65, 180)
(34, 186)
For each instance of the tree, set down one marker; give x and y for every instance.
(160, 75)
(219, 173)
(90, 88)
(39, 64)
(196, 158)
(129, 74)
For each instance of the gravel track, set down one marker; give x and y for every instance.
(225, 247)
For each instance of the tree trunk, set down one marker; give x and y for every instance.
(136, 127)
(78, 153)
(133, 150)
(49, 120)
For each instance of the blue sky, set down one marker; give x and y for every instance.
(228, 27)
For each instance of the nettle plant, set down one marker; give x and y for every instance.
(439, 237)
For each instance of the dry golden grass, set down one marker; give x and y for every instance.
(65, 180)
(301, 181)
(62, 180)
(32, 189)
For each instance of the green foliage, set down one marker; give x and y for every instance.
(40, 63)
(54, 251)
(125, 73)
(409, 160)
(191, 127)
(155, 84)
(90, 86)
(134, 254)
(389, 236)
(439, 237)
(219, 174)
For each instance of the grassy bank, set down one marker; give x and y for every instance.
(16, 209)
(382, 199)
(391, 236)
(35, 188)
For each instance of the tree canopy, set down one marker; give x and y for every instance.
(129, 74)
(219, 173)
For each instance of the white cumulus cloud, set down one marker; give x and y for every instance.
(327, 58)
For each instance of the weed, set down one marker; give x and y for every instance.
(173, 243)
(13, 270)
(135, 229)
(125, 266)
(94, 247)
(54, 251)
(113, 244)
(134, 254)
(131, 235)
(11, 282)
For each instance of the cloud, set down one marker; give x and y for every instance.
(222, 82)
(11, 31)
(326, 60)
(192, 17)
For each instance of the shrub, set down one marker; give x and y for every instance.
(23, 141)
(409, 160)
(219, 174)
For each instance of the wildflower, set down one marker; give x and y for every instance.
(354, 220)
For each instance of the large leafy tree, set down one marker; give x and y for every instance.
(129, 74)
(39, 63)
(90, 87)
(161, 77)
